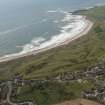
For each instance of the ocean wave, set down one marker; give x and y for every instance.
(69, 30)
(43, 20)
(59, 10)
(56, 21)
(21, 27)
(27, 48)
(52, 11)
(13, 30)
(34, 44)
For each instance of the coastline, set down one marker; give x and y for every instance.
(57, 44)
(70, 65)
(14, 56)
(87, 27)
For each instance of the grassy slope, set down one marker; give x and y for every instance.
(78, 55)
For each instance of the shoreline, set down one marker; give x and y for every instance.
(65, 41)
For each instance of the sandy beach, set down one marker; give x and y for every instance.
(88, 25)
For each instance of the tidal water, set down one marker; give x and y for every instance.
(32, 24)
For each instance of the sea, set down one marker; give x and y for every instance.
(29, 25)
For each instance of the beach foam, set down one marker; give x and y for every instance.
(67, 31)
(34, 44)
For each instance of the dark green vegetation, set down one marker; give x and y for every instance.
(78, 55)
(50, 93)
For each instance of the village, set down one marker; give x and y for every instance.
(95, 74)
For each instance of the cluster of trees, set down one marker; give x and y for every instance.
(98, 29)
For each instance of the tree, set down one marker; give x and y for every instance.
(98, 29)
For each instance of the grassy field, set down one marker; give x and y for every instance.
(76, 56)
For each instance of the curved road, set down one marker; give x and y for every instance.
(9, 93)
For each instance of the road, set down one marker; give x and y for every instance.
(9, 83)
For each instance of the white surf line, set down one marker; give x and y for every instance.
(13, 30)
(67, 41)
(84, 32)
(63, 42)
